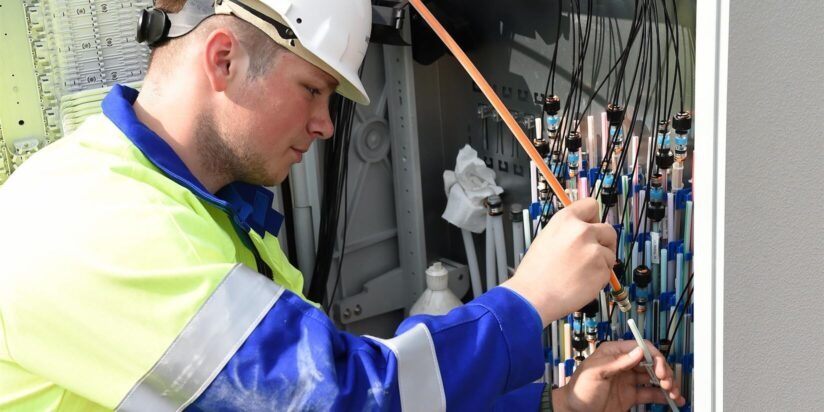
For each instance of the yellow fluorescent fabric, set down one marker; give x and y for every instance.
(103, 261)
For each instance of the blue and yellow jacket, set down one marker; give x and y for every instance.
(125, 284)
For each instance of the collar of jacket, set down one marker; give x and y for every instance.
(249, 205)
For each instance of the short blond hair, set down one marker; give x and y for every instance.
(263, 49)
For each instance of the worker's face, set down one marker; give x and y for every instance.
(286, 109)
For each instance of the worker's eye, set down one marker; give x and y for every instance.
(313, 91)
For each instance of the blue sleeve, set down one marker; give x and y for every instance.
(295, 359)
(526, 398)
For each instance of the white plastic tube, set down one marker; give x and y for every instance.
(670, 217)
(500, 248)
(517, 241)
(527, 230)
(633, 152)
(302, 216)
(472, 262)
(490, 254)
(555, 334)
(667, 280)
(604, 136)
(677, 176)
(592, 148)
(604, 306)
(642, 322)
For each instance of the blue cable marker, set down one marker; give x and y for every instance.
(648, 363)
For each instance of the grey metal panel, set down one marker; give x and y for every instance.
(774, 253)
(372, 246)
(403, 124)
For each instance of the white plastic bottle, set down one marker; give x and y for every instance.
(437, 299)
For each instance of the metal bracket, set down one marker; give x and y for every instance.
(386, 293)
(389, 14)
(387, 22)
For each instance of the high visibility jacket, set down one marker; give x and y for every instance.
(125, 284)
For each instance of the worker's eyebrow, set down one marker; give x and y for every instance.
(330, 82)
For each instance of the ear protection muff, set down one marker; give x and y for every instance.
(156, 26)
(153, 26)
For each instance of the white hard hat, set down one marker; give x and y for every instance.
(333, 34)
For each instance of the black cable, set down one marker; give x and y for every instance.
(336, 155)
(342, 248)
(550, 79)
(678, 53)
(350, 111)
(686, 291)
(686, 305)
(638, 152)
(289, 221)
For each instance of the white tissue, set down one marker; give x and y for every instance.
(467, 188)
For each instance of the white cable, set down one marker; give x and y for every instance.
(527, 230)
(500, 248)
(490, 253)
(472, 262)
(517, 241)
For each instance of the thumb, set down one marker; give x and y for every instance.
(621, 362)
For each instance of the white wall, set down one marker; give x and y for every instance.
(774, 227)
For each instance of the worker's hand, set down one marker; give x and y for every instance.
(568, 263)
(609, 379)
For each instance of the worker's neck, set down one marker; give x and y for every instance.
(175, 123)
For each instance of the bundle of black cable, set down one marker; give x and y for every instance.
(336, 161)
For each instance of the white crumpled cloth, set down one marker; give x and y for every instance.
(466, 188)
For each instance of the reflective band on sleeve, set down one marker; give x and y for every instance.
(204, 346)
(419, 376)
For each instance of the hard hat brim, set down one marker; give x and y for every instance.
(349, 83)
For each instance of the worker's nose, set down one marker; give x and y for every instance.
(320, 125)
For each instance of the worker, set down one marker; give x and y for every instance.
(139, 268)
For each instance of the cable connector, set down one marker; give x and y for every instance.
(615, 114)
(682, 122)
(621, 297)
(495, 205)
(552, 104)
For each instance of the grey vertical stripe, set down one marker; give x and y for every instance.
(419, 376)
(206, 344)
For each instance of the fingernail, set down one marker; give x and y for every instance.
(635, 352)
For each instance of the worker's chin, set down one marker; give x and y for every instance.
(268, 180)
(277, 178)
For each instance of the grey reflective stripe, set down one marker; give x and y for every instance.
(206, 344)
(419, 376)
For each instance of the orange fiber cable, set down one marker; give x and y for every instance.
(513, 126)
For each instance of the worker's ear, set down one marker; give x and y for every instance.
(225, 60)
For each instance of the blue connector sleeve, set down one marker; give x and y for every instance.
(641, 292)
(688, 362)
(681, 197)
(535, 210)
(643, 237)
(672, 249)
(666, 301)
(591, 323)
(603, 330)
(569, 364)
(593, 176)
